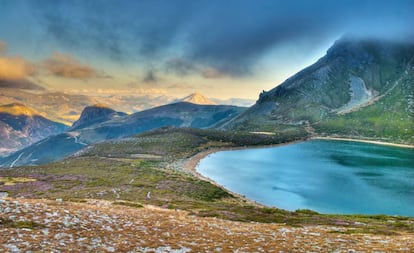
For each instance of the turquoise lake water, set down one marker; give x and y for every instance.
(325, 176)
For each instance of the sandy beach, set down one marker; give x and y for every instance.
(364, 141)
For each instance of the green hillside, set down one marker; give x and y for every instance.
(360, 88)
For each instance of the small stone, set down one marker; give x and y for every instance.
(4, 195)
(45, 231)
(110, 249)
(12, 247)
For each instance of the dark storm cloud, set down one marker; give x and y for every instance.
(180, 66)
(227, 36)
(150, 77)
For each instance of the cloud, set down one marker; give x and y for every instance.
(228, 36)
(180, 66)
(213, 73)
(13, 68)
(150, 77)
(66, 66)
(3, 47)
(62, 65)
(183, 67)
(181, 86)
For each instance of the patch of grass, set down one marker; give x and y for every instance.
(97, 182)
(76, 200)
(205, 191)
(5, 222)
(128, 203)
(27, 224)
(15, 180)
(377, 231)
(306, 211)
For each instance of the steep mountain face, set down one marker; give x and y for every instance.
(197, 98)
(95, 114)
(21, 126)
(180, 114)
(360, 88)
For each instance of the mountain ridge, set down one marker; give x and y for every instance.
(17, 109)
(354, 77)
(95, 114)
(21, 126)
(181, 114)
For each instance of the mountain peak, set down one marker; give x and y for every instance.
(197, 98)
(100, 105)
(18, 109)
(95, 114)
(359, 88)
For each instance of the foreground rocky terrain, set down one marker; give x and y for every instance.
(105, 226)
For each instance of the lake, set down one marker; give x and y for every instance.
(326, 176)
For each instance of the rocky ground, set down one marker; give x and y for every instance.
(33, 225)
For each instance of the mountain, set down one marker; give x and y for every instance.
(180, 114)
(197, 98)
(21, 126)
(56, 106)
(360, 88)
(95, 114)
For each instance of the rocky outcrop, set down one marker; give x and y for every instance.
(95, 114)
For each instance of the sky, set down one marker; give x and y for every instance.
(223, 49)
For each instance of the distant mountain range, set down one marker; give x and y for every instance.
(57, 106)
(88, 130)
(360, 88)
(21, 126)
(67, 107)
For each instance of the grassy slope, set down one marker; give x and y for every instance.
(314, 94)
(389, 119)
(110, 171)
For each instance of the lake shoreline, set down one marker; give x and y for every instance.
(190, 164)
(363, 141)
